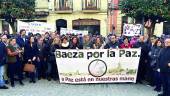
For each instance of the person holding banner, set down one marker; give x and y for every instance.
(112, 43)
(65, 43)
(75, 44)
(126, 43)
(52, 71)
(143, 62)
(87, 42)
(98, 43)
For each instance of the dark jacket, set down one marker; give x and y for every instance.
(76, 46)
(154, 54)
(3, 53)
(53, 49)
(21, 41)
(164, 59)
(30, 52)
(46, 51)
(41, 50)
(111, 45)
(144, 51)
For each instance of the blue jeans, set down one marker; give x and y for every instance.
(2, 83)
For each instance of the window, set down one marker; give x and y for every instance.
(63, 5)
(91, 4)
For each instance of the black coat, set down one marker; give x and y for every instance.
(164, 59)
(144, 51)
(154, 54)
(53, 49)
(30, 52)
(77, 46)
(46, 50)
(41, 49)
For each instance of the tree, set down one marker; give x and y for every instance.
(10, 10)
(151, 11)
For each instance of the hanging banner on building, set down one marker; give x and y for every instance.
(97, 66)
(35, 27)
(64, 31)
(132, 30)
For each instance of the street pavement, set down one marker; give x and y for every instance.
(54, 88)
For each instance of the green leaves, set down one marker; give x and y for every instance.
(12, 9)
(153, 9)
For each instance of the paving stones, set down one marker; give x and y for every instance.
(53, 88)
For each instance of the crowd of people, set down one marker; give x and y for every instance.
(17, 50)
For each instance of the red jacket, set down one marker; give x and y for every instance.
(125, 46)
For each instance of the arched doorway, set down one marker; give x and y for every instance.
(61, 23)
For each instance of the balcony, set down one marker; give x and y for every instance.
(90, 6)
(63, 6)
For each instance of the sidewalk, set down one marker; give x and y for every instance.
(52, 88)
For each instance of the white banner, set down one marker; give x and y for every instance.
(97, 66)
(65, 31)
(132, 30)
(35, 27)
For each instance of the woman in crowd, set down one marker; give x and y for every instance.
(133, 40)
(12, 54)
(154, 54)
(87, 42)
(65, 43)
(98, 43)
(126, 43)
(31, 52)
(52, 69)
(75, 43)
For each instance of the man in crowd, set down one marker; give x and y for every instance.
(3, 56)
(112, 43)
(164, 64)
(22, 39)
(143, 59)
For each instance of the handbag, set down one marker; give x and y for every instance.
(29, 67)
